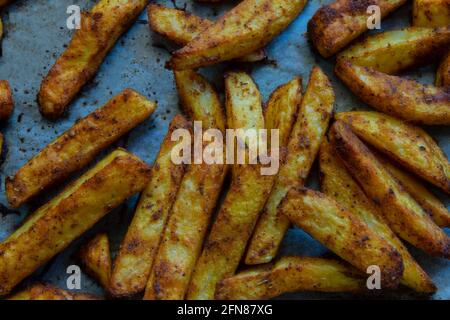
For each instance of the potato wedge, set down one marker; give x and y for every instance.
(95, 257)
(182, 27)
(100, 29)
(443, 73)
(310, 127)
(137, 252)
(409, 145)
(291, 274)
(343, 232)
(52, 227)
(394, 51)
(195, 202)
(39, 291)
(78, 146)
(246, 28)
(404, 215)
(335, 25)
(337, 182)
(6, 100)
(248, 192)
(401, 98)
(431, 13)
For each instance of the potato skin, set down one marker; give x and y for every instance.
(100, 29)
(77, 208)
(404, 215)
(311, 124)
(431, 13)
(78, 146)
(40, 291)
(409, 145)
(443, 73)
(232, 37)
(6, 100)
(137, 252)
(343, 233)
(291, 274)
(401, 98)
(394, 51)
(335, 25)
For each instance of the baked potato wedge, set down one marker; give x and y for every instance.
(6, 100)
(407, 144)
(404, 215)
(100, 29)
(52, 227)
(244, 29)
(402, 98)
(343, 232)
(196, 200)
(40, 291)
(431, 13)
(78, 146)
(312, 122)
(336, 182)
(291, 274)
(182, 27)
(395, 51)
(443, 73)
(137, 252)
(335, 25)
(95, 256)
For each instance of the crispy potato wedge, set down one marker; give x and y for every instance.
(78, 146)
(404, 215)
(338, 183)
(409, 145)
(432, 205)
(310, 127)
(95, 257)
(394, 51)
(401, 98)
(52, 227)
(100, 29)
(182, 27)
(431, 13)
(443, 73)
(291, 274)
(6, 100)
(244, 29)
(137, 252)
(39, 291)
(342, 232)
(335, 25)
(196, 200)
(248, 192)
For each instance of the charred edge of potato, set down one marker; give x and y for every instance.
(443, 73)
(42, 291)
(6, 100)
(431, 13)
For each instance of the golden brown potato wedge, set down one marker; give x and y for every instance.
(52, 227)
(39, 291)
(310, 127)
(100, 29)
(337, 182)
(291, 274)
(137, 252)
(404, 215)
(431, 13)
(342, 232)
(6, 100)
(182, 27)
(335, 25)
(194, 205)
(443, 73)
(78, 146)
(246, 28)
(402, 98)
(409, 145)
(95, 257)
(394, 51)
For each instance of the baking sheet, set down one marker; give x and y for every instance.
(36, 34)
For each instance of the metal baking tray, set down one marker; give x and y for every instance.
(36, 34)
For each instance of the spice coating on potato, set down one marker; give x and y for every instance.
(40, 291)
(6, 100)
(431, 13)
